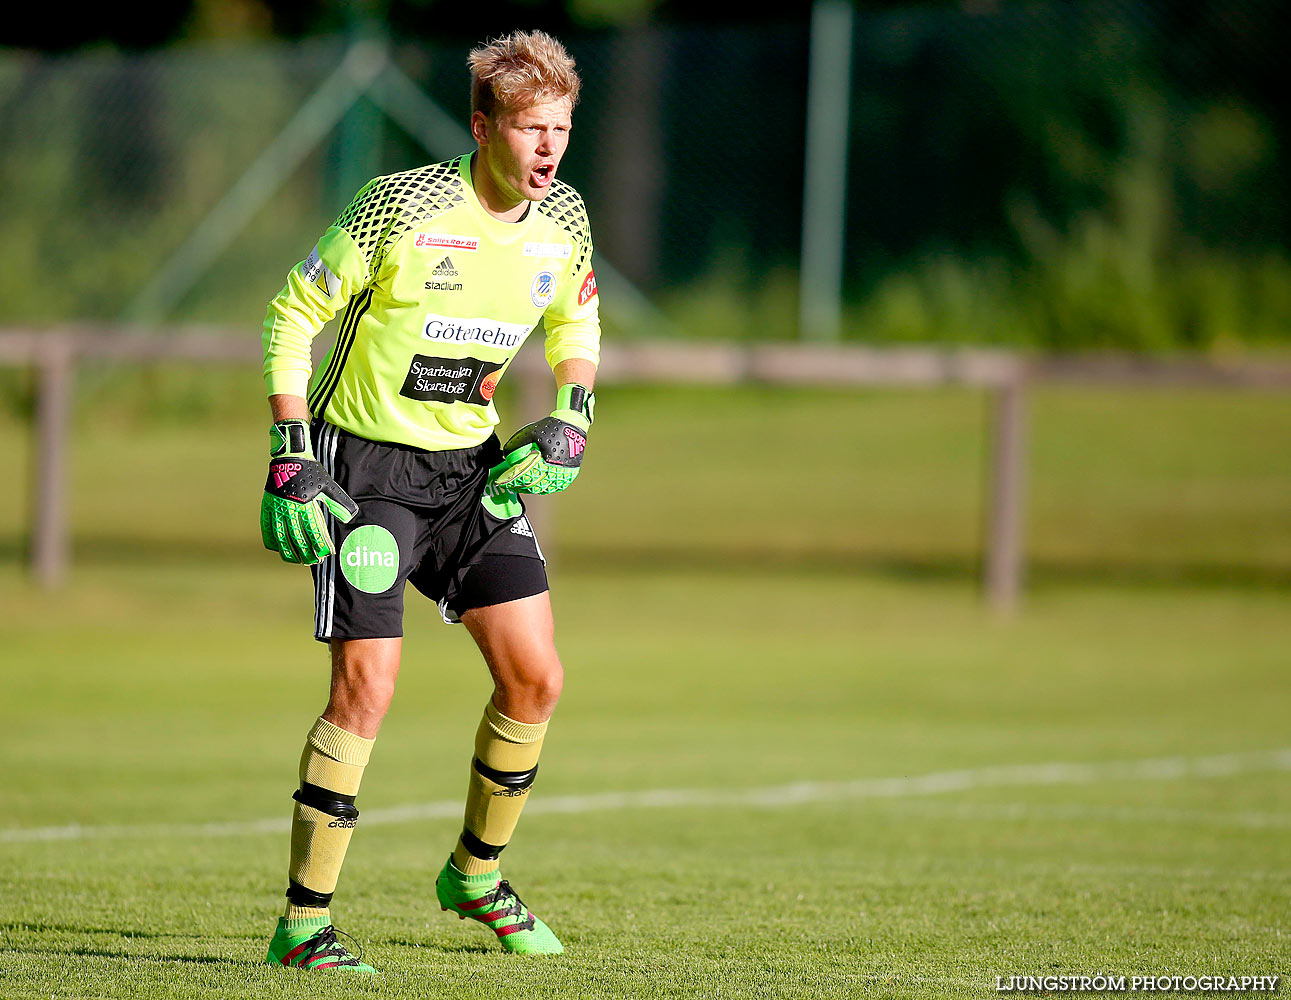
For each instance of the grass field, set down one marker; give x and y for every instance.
(794, 758)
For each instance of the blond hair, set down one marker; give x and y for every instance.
(519, 70)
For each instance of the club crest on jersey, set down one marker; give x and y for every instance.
(543, 289)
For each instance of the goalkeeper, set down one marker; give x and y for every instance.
(384, 469)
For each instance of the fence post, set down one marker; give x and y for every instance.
(55, 361)
(824, 223)
(1006, 514)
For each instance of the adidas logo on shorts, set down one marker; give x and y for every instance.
(521, 527)
(445, 268)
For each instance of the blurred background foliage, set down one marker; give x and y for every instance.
(1043, 175)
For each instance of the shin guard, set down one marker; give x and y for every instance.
(324, 818)
(502, 771)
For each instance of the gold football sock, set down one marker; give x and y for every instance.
(323, 821)
(506, 761)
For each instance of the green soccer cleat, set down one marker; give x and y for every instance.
(490, 899)
(311, 944)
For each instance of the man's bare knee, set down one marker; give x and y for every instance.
(364, 672)
(529, 689)
(517, 640)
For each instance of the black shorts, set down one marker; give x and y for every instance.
(420, 520)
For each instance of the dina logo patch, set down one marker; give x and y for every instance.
(369, 558)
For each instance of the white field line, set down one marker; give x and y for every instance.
(769, 797)
(1013, 811)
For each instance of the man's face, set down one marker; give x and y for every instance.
(520, 149)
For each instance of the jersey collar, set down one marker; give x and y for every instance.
(501, 232)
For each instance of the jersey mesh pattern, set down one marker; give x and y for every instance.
(564, 206)
(390, 206)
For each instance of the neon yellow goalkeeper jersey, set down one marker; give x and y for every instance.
(438, 296)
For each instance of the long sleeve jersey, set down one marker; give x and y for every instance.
(438, 296)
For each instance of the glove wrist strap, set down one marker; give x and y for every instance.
(290, 437)
(578, 398)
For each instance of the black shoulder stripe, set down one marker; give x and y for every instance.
(322, 394)
(334, 358)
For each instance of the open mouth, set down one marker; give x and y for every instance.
(542, 174)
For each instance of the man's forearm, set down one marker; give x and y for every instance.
(287, 407)
(575, 371)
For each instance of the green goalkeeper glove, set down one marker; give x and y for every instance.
(291, 513)
(545, 456)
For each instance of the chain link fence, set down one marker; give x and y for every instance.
(1067, 175)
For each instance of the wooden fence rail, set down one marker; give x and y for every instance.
(55, 354)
